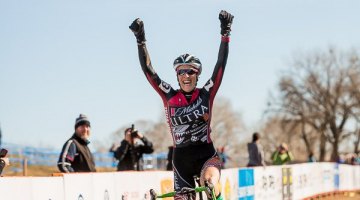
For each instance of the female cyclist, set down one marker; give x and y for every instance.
(188, 110)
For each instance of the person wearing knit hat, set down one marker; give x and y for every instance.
(75, 155)
(81, 120)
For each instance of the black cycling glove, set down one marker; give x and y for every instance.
(226, 21)
(137, 27)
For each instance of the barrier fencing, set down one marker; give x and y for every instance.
(298, 181)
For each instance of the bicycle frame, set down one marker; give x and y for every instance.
(208, 188)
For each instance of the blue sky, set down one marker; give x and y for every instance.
(62, 58)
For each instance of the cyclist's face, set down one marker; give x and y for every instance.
(187, 78)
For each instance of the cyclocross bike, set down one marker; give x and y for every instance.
(187, 191)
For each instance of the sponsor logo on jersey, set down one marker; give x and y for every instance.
(209, 84)
(188, 114)
(165, 87)
(194, 138)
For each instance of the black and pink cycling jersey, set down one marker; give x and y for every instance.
(188, 121)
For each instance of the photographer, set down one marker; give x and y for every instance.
(130, 151)
(282, 155)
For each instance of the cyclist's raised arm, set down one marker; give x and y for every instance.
(216, 78)
(137, 27)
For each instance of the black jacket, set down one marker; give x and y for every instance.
(129, 156)
(76, 156)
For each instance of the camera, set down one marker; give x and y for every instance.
(134, 132)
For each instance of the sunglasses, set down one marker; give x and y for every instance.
(182, 72)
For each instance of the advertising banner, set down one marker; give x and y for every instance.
(166, 182)
(136, 185)
(49, 188)
(346, 180)
(268, 182)
(287, 183)
(246, 184)
(79, 186)
(15, 188)
(330, 177)
(296, 181)
(103, 186)
(229, 183)
(307, 178)
(356, 177)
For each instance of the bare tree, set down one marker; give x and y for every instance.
(354, 74)
(276, 130)
(227, 131)
(315, 92)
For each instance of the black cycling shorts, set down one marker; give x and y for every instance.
(189, 162)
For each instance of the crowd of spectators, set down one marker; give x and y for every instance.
(77, 157)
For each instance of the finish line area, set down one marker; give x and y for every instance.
(297, 181)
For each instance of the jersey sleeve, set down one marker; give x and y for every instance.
(213, 84)
(159, 85)
(122, 150)
(147, 147)
(67, 156)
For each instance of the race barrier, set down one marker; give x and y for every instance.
(298, 181)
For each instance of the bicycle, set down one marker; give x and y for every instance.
(208, 187)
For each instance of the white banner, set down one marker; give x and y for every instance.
(15, 188)
(103, 186)
(273, 182)
(306, 179)
(327, 177)
(47, 188)
(79, 186)
(268, 182)
(356, 178)
(346, 177)
(229, 183)
(136, 185)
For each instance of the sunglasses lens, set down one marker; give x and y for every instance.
(191, 72)
(186, 71)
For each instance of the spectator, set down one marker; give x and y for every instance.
(357, 159)
(282, 155)
(169, 158)
(340, 158)
(75, 155)
(353, 160)
(222, 155)
(4, 161)
(256, 153)
(130, 151)
(311, 157)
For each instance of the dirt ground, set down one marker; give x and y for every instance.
(352, 195)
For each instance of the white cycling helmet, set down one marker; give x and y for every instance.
(187, 59)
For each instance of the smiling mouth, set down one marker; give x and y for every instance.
(187, 83)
